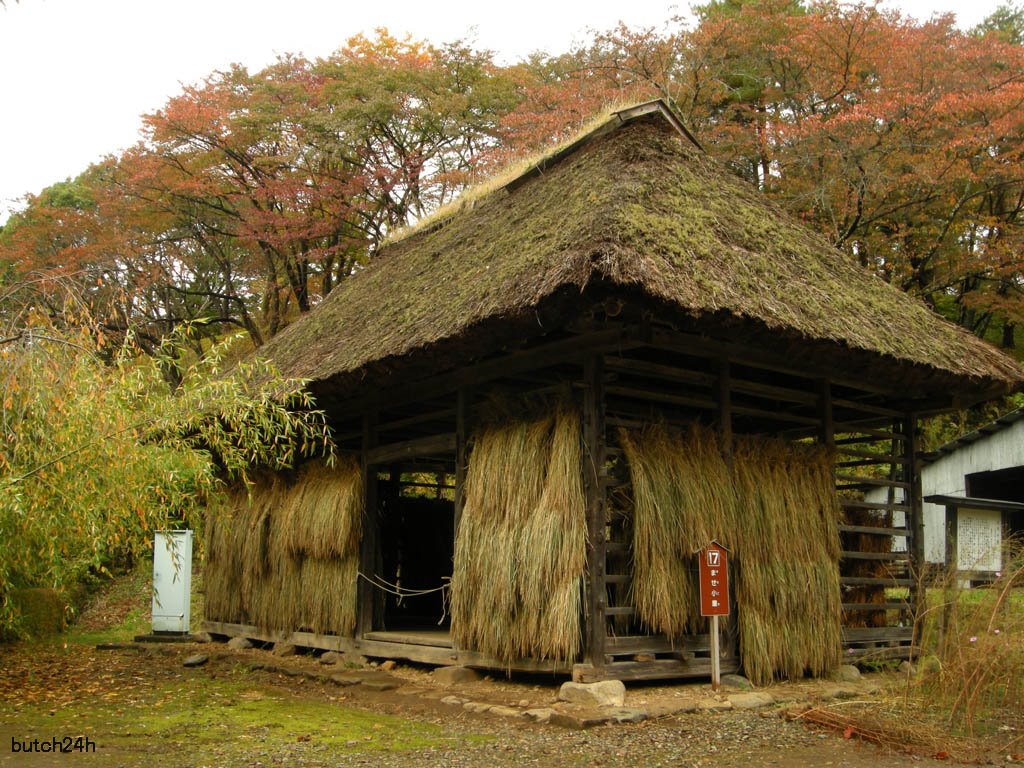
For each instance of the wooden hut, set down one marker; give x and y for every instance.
(551, 393)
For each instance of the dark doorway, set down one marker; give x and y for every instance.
(1004, 485)
(417, 544)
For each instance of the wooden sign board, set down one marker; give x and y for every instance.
(714, 580)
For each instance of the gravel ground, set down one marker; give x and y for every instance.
(69, 684)
(726, 740)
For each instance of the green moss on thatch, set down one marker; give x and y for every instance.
(638, 207)
(776, 510)
(284, 555)
(521, 546)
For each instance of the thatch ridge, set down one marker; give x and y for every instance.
(641, 208)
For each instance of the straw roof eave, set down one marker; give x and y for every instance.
(641, 209)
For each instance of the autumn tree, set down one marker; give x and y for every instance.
(898, 140)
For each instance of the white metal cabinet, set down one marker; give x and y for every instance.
(172, 581)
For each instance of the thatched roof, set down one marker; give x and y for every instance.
(636, 204)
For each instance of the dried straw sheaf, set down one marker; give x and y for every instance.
(521, 547)
(775, 509)
(284, 555)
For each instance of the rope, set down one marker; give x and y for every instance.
(401, 593)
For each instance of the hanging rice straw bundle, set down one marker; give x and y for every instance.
(521, 546)
(776, 511)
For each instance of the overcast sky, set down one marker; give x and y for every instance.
(76, 74)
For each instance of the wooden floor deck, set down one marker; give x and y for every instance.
(435, 638)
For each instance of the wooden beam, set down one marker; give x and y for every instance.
(749, 357)
(659, 371)
(888, 556)
(876, 634)
(648, 395)
(879, 457)
(860, 434)
(632, 644)
(417, 652)
(875, 581)
(725, 413)
(881, 506)
(594, 474)
(865, 607)
(431, 445)
(564, 351)
(874, 530)
(879, 482)
(419, 418)
(659, 669)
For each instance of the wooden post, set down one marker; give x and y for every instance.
(368, 544)
(827, 430)
(716, 656)
(593, 475)
(914, 523)
(725, 409)
(951, 577)
(462, 430)
(725, 425)
(461, 451)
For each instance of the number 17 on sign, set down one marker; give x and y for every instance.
(714, 597)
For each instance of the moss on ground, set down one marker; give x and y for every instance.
(202, 719)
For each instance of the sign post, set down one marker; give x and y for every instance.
(714, 598)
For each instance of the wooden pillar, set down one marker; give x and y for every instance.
(914, 520)
(952, 578)
(827, 428)
(371, 529)
(462, 432)
(732, 630)
(594, 484)
(725, 409)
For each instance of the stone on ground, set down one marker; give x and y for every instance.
(607, 693)
(331, 657)
(627, 715)
(239, 643)
(379, 685)
(541, 715)
(285, 649)
(195, 661)
(737, 681)
(202, 637)
(752, 700)
(575, 722)
(847, 673)
(714, 705)
(504, 711)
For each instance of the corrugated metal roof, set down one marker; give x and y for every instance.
(980, 433)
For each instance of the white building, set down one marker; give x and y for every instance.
(985, 464)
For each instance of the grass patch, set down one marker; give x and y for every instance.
(218, 720)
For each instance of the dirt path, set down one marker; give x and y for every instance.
(141, 707)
